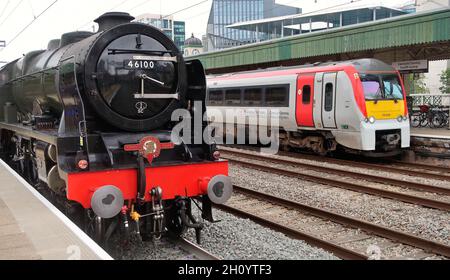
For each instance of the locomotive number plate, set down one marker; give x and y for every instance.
(138, 64)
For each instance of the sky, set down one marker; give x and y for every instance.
(70, 15)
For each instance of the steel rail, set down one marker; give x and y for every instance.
(394, 166)
(338, 250)
(405, 238)
(348, 173)
(424, 166)
(196, 250)
(349, 186)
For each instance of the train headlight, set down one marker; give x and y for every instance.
(372, 120)
(405, 118)
(400, 119)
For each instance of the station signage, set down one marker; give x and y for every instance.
(412, 66)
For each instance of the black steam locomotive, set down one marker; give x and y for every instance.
(89, 118)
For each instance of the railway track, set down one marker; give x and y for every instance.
(394, 166)
(418, 166)
(267, 210)
(400, 167)
(337, 182)
(195, 250)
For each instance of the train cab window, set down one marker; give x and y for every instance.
(306, 94)
(392, 87)
(277, 96)
(328, 97)
(381, 87)
(253, 97)
(215, 98)
(233, 97)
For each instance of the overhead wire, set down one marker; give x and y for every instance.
(109, 10)
(30, 23)
(31, 7)
(4, 9)
(184, 9)
(12, 12)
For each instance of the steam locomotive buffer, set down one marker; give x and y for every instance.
(89, 121)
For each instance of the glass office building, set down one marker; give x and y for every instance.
(179, 33)
(173, 29)
(227, 12)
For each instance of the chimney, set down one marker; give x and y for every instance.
(109, 20)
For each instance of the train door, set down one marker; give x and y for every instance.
(305, 100)
(329, 100)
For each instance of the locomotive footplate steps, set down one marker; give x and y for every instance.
(38, 230)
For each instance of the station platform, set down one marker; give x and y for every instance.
(441, 133)
(31, 228)
(429, 146)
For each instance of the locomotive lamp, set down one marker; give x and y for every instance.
(220, 189)
(107, 201)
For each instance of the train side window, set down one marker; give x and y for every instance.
(215, 98)
(277, 96)
(253, 97)
(328, 97)
(306, 95)
(233, 97)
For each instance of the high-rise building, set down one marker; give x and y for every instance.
(179, 33)
(173, 29)
(226, 12)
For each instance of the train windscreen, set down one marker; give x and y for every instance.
(381, 87)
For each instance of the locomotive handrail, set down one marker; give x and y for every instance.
(23, 77)
(125, 51)
(159, 58)
(157, 95)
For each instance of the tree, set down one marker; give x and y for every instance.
(445, 81)
(418, 85)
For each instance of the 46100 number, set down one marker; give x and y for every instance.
(139, 64)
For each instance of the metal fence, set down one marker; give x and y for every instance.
(433, 100)
(429, 110)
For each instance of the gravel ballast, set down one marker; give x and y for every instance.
(428, 223)
(231, 238)
(234, 238)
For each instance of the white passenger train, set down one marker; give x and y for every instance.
(357, 105)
